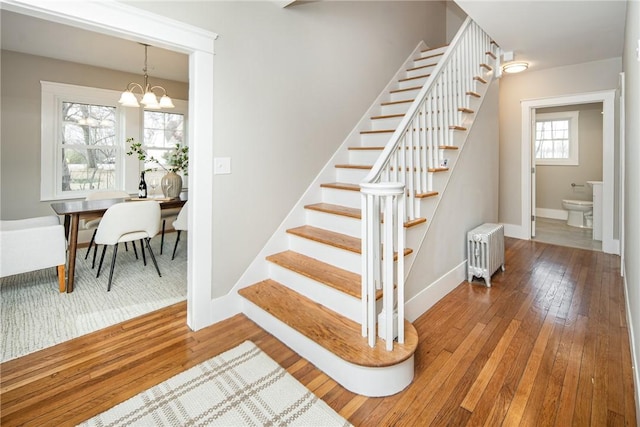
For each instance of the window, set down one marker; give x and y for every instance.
(83, 142)
(80, 148)
(162, 131)
(88, 147)
(556, 138)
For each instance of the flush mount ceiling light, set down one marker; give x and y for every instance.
(515, 67)
(149, 98)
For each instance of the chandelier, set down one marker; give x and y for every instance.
(149, 98)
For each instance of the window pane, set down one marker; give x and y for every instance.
(163, 129)
(552, 139)
(90, 125)
(88, 169)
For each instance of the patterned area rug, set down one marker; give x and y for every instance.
(35, 315)
(241, 387)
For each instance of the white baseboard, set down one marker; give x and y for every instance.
(434, 292)
(632, 342)
(515, 231)
(552, 213)
(225, 307)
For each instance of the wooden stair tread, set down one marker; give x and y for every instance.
(336, 333)
(342, 241)
(343, 280)
(331, 238)
(421, 67)
(355, 213)
(341, 186)
(406, 79)
(365, 132)
(350, 166)
(448, 147)
(427, 194)
(357, 147)
(387, 116)
(336, 210)
(404, 101)
(406, 89)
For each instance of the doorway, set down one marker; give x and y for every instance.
(560, 132)
(609, 197)
(120, 20)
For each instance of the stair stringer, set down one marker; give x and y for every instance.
(231, 303)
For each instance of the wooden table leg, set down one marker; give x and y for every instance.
(73, 246)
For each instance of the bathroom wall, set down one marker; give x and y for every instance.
(553, 183)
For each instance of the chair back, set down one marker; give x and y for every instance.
(107, 194)
(181, 223)
(127, 221)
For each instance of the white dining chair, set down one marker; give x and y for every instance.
(128, 222)
(180, 224)
(91, 223)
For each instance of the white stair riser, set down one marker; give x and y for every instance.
(351, 176)
(386, 123)
(340, 258)
(404, 95)
(439, 180)
(332, 222)
(329, 297)
(422, 70)
(341, 197)
(435, 51)
(364, 157)
(406, 84)
(399, 108)
(375, 139)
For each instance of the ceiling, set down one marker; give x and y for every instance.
(551, 34)
(544, 33)
(26, 34)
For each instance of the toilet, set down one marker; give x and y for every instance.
(579, 210)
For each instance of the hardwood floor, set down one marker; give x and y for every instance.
(546, 345)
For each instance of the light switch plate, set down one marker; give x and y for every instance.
(221, 165)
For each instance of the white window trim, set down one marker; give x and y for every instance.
(574, 152)
(53, 94)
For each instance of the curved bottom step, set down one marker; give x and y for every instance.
(330, 341)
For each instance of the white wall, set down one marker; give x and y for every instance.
(631, 66)
(290, 83)
(554, 82)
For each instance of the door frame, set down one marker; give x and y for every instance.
(528, 107)
(123, 21)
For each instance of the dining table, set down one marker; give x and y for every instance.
(75, 210)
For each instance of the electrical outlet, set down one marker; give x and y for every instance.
(221, 165)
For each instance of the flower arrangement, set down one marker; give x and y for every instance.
(176, 159)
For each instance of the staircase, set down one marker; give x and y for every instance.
(315, 297)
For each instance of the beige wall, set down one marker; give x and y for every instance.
(20, 135)
(569, 80)
(471, 199)
(290, 84)
(553, 183)
(632, 183)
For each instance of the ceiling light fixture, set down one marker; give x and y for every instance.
(515, 67)
(149, 98)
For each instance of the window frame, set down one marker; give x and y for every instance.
(574, 152)
(53, 95)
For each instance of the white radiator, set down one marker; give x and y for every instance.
(485, 246)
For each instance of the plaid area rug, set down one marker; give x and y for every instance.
(241, 387)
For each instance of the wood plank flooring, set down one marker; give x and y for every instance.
(546, 345)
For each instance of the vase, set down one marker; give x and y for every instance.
(171, 185)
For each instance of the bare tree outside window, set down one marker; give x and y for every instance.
(89, 148)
